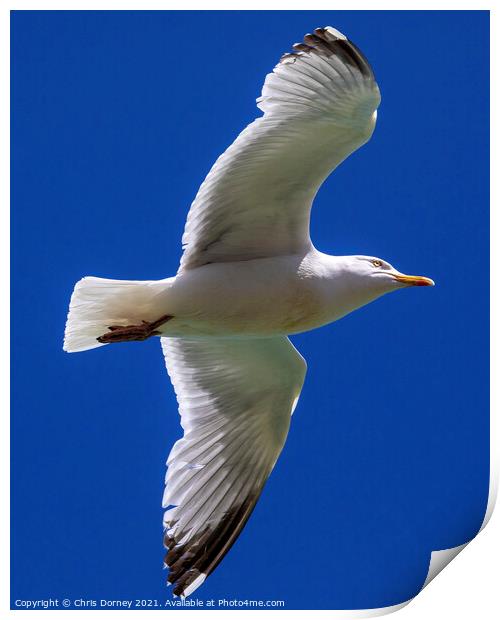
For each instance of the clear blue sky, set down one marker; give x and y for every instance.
(117, 118)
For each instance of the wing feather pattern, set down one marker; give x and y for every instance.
(319, 106)
(235, 399)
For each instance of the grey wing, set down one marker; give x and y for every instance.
(319, 106)
(235, 398)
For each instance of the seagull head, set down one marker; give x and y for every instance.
(382, 276)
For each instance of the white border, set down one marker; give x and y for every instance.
(467, 588)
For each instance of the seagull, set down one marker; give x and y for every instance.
(248, 278)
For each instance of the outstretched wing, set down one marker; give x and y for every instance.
(319, 106)
(235, 399)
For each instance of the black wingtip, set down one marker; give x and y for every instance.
(328, 42)
(198, 557)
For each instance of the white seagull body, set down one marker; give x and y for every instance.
(248, 278)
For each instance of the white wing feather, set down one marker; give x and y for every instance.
(318, 105)
(235, 399)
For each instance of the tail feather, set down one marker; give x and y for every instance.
(97, 303)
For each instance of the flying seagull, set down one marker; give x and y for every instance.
(249, 277)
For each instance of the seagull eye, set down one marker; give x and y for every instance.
(377, 263)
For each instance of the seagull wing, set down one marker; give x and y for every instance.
(235, 399)
(319, 106)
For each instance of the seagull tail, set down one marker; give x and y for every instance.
(97, 303)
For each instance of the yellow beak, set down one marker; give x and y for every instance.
(414, 280)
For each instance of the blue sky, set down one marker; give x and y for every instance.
(116, 119)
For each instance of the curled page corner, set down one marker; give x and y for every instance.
(440, 559)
